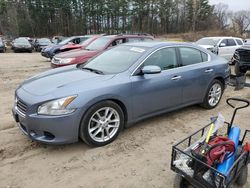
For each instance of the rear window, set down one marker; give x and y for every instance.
(191, 56)
(239, 42)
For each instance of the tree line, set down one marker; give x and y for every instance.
(38, 18)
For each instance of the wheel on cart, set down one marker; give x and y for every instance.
(242, 179)
(180, 182)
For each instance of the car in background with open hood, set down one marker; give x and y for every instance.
(54, 49)
(96, 47)
(82, 45)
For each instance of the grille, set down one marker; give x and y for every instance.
(21, 106)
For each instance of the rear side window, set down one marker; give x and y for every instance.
(190, 56)
(239, 42)
(231, 42)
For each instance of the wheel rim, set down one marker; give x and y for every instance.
(104, 124)
(214, 94)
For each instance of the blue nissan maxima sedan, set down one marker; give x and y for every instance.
(128, 83)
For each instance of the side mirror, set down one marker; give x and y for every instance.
(151, 69)
(222, 44)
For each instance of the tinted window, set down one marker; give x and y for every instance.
(239, 42)
(164, 58)
(190, 56)
(116, 60)
(231, 42)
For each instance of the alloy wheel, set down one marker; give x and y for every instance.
(104, 124)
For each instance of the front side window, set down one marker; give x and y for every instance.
(191, 56)
(224, 41)
(164, 58)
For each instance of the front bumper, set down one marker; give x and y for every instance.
(49, 129)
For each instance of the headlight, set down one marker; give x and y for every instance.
(66, 60)
(57, 107)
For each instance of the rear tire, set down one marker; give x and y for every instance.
(102, 123)
(180, 182)
(213, 95)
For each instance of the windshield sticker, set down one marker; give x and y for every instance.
(140, 50)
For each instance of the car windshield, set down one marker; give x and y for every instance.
(205, 41)
(44, 40)
(87, 41)
(98, 44)
(1, 42)
(21, 41)
(115, 60)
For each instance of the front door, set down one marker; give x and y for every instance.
(152, 93)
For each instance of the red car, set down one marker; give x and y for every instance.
(96, 47)
(83, 44)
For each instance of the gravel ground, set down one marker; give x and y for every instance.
(139, 157)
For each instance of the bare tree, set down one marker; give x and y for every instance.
(241, 21)
(221, 11)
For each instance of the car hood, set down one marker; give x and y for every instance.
(206, 46)
(76, 53)
(50, 81)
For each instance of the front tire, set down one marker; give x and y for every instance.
(102, 123)
(213, 95)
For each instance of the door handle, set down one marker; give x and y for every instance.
(176, 78)
(209, 70)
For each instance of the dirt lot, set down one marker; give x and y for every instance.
(140, 157)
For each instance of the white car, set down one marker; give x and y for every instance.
(223, 46)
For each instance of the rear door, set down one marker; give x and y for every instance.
(197, 72)
(228, 50)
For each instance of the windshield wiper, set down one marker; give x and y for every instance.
(93, 70)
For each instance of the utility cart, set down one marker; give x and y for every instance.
(198, 171)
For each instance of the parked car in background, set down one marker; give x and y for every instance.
(2, 46)
(96, 47)
(53, 49)
(21, 44)
(41, 43)
(116, 89)
(242, 60)
(223, 46)
(83, 44)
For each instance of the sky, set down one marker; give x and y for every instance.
(234, 5)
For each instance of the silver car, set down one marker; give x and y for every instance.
(116, 89)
